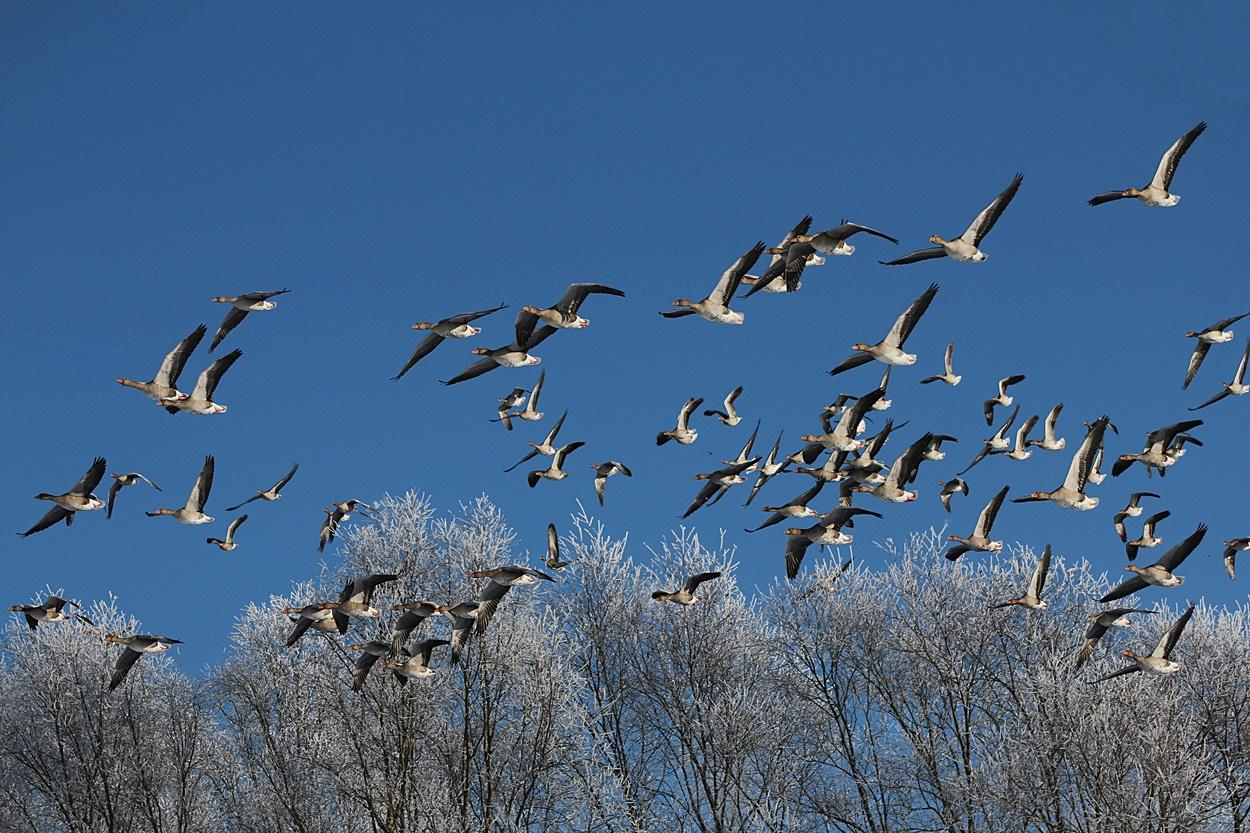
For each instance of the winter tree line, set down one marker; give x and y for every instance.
(894, 699)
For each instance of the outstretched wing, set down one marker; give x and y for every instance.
(87, 483)
(1172, 158)
(725, 288)
(989, 215)
(916, 257)
(425, 348)
(234, 316)
(473, 371)
(171, 368)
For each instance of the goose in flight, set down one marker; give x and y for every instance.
(1161, 573)
(1032, 598)
(683, 433)
(965, 248)
(795, 508)
(200, 400)
(768, 469)
(530, 412)
(193, 511)
(745, 452)
(510, 401)
(1158, 451)
(729, 416)
(563, 314)
(980, 540)
(1237, 387)
(901, 473)
(718, 482)
(996, 443)
(416, 666)
(1217, 333)
(1231, 548)
(715, 307)
(80, 498)
(890, 349)
(1070, 494)
(516, 354)
(1002, 398)
(136, 647)
(949, 488)
(777, 266)
(274, 492)
(372, 652)
(552, 560)
(316, 617)
(240, 306)
(686, 595)
(164, 385)
(228, 545)
(1160, 660)
(605, 470)
(801, 250)
(1147, 539)
(414, 613)
(341, 512)
(546, 448)
(50, 611)
(355, 600)
(825, 532)
(502, 579)
(457, 326)
(1051, 442)
(1020, 451)
(555, 471)
(948, 375)
(1100, 623)
(1156, 194)
(1132, 510)
(121, 481)
(844, 436)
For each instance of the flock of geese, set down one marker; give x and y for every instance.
(852, 460)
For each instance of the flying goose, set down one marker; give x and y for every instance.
(373, 651)
(767, 282)
(121, 481)
(718, 482)
(795, 508)
(1099, 624)
(516, 354)
(316, 617)
(1156, 193)
(802, 249)
(844, 436)
(1217, 333)
(825, 532)
(341, 512)
(461, 617)
(1051, 442)
(948, 375)
(552, 560)
(1071, 493)
(1032, 598)
(901, 473)
(546, 448)
(272, 493)
(980, 540)
(686, 594)
(192, 512)
(457, 326)
(1002, 398)
(1160, 660)
(1231, 548)
(1147, 539)
(228, 545)
(200, 400)
(683, 433)
(240, 306)
(530, 412)
(136, 647)
(1237, 387)
(502, 579)
(744, 453)
(510, 401)
(555, 471)
(605, 470)
(414, 613)
(563, 314)
(768, 469)
(729, 416)
(164, 383)
(49, 611)
(890, 349)
(715, 307)
(1020, 451)
(415, 666)
(355, 600)
(1159, 573)
(80, 498)
(934, 452)
(1132, 510)
(949, 488)
(996, 443)
(1156, 453)
(964, 248)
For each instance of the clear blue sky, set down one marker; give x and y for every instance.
(406, 163)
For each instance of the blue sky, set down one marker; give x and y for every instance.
(410, 163)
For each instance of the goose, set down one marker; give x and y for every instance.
(164, 385)
(718, 482)
(555, 471)
(996, 443)
(461, 617)
(1050, 442)
(270, 494)
(832, 472)
(563, 314)
(1156, 193)
(80, 498)
(683, 433)
(1002, 398)
(1177, 449)
(686, 595)
(802, 249)
(552, 560)
(502, 579)
(1071, 493)
(883, 404)
(890, 349)
(980, 540)
(510, 401)
(844, 436)
(200, 400)
(50, 611)
(414, 613)
(948, 376)
(1096, 476)
(415, 666)
(729, 416)
(228, 545)
(1100, 623)
(1160, 660)
(136, 647)
(341, 512)
(1132, 510)
(530, 412)
(949, 488)
(357, 595)
(329, 528)
(826, 532)
(795, 508)
(767, 282)
(768, 469)
(605, 470)
(965, 248)
(192, 512)
(1237, 387)
(1155, 453)
(867, 460)
(744, 453)
(1217, 333)
(1147, 539)
(715, 307)
(316, 617)
(457, 326)
(373, 651)
(901, 473)
(1231, 548)
(1020, 451)
(1032, 598)
(240, 306)
(121, 481)
(1161, 573)
(546, 448)
(516, 354)
(934, 452)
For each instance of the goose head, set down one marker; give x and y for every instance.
(937, 238)
(479, 351)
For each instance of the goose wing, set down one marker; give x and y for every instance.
(113, 490)
(985, 521)
(796, 548)
(1174, 557)
(203, 485)
(851, 362)
(1022, 432)
(1166, 645)
(488, 602)
(1132, 669)
(555, 429)
(88, 482)
(1051, 420)
(553, 543)
(1172, 157)
(176, 359)
(683, 416)
(1110, 196)
(906, 322)
(281, 484)
(1126, 588)
(537, 392)
(1003, 384)
(1221, 395)
(950, 351)
(989, 215)
(50, 518)
(235, 524)
(1195, 361)
(124, 663)
(725, 288)
(473, 371)
(425, 648)
(1083, 460)
(826, 241)
(206, 385)
(425, 348)
(1038, 582)
(695, 580)
(468, 317)
(916, 257)
(1240, 376)
(234, 316)
(577, 293)
(565, 451)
